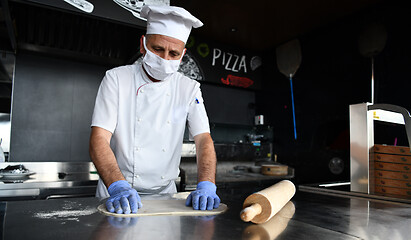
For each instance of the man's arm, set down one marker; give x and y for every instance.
(205, 196)
(206, 157)
(123, 198)
(103, 157)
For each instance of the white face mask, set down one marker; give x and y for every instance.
(157, 67)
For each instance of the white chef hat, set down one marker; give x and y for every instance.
(170, 21)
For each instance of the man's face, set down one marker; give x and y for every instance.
(165, 47)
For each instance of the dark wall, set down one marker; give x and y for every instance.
(333, 74)
(53, 101)
(229, 105)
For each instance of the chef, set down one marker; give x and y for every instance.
(140, 115)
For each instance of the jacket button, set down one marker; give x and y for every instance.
(162, 177)
(168, 122)
(164, 150)
(142, 90)
(139, 119)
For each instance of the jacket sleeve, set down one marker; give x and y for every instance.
(197, 120)
(106, 105)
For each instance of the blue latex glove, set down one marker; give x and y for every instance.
(123, 198)
(204, 197)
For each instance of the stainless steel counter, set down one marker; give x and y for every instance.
(344, 189)
(228, 175)
(51, 180)
(315, 217)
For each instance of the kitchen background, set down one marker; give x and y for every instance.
(54, 56)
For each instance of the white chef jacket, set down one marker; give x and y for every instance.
(147, 120)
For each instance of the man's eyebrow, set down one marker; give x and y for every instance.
(175, 52)
(157, 46)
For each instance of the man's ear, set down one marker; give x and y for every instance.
(142, 50)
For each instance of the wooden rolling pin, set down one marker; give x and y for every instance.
(261, 206)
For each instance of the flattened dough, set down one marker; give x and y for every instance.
(181, 195)
(175, 207)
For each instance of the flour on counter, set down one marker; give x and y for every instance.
(70, 211)
(65, 214)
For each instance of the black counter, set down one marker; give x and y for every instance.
(315, 217)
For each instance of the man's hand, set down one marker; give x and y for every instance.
(123, 198)
(204, 197)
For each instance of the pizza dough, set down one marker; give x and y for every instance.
(181, 195)
(174, 207)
